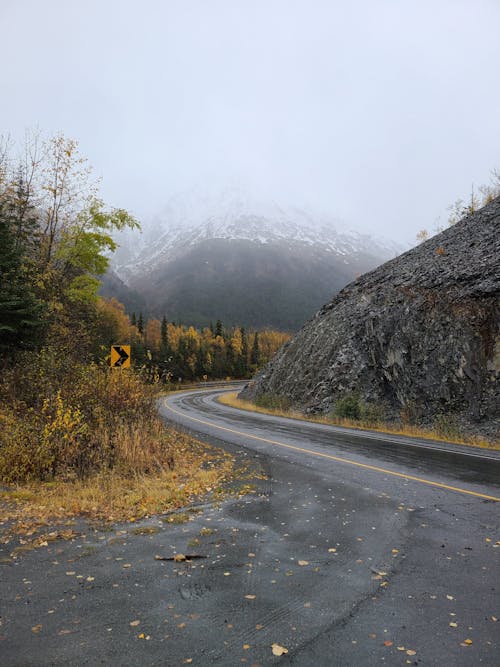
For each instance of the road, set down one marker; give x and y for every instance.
(354, 549)
(400, 538)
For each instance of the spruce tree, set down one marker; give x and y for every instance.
(20, 311)
(255, 353)
(219, 331)
(244, 352)
(140, 324)
(163, 332)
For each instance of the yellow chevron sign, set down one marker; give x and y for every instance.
(120, 356)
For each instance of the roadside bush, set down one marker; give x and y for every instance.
(352, 407)
(273, 402)
(446, 426)
(71, 424)
(347, 407)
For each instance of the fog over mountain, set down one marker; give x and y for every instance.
(247, 261)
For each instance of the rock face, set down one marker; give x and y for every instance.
(419, 334)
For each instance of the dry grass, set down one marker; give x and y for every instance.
(190, 470)
(231, 399)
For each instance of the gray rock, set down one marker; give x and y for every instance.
(420, 334)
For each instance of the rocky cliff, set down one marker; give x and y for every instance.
(419, 334)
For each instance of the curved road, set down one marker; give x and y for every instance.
(354, 549)
(368, 548)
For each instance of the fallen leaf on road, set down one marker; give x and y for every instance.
(250, 597)
(468, 642)
(332, 550)
(453, 625)
(401, 648)
(303, 562)
(278, 650)
(134, 623)
(246, 647)
(259, 626)
(178, 558)
(450, 597)
(36, 628)
(411, 652)
(388, 643)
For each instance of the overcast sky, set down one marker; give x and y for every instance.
(381, 112)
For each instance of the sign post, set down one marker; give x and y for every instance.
(120, 356)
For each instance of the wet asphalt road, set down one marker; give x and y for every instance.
(355, 549)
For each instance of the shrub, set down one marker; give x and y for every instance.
(96, 419)
(347, 407)
(273, 402)
(351, 406)
(447, 427)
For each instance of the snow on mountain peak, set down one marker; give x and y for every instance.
(190, 218)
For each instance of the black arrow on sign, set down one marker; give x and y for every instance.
(123, 356)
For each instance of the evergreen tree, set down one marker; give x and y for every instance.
(20, 311)
(244, 352)
(133, 320)
(219, 331)
(163, 332)
(255, 354)
(140, 324)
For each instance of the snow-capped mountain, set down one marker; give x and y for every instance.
(242, 260)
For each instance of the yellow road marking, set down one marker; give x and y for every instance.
(331, 457)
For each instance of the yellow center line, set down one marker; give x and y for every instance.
(331, 457)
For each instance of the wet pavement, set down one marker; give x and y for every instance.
(351, 550)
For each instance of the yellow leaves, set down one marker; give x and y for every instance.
(468, 642)
(332, 550)
(411, 652)
(250, 597)
(278, 650)
(452, 624)
(36, 628)
(179, 558)
(134, 623)
(450, 597)
(246, 647)
(303, 562)
(259, 626)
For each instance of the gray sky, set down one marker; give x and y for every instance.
(381, 112)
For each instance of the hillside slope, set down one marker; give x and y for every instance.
(420, 334)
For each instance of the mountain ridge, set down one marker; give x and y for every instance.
(204, 261)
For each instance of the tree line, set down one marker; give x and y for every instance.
(177, 352)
